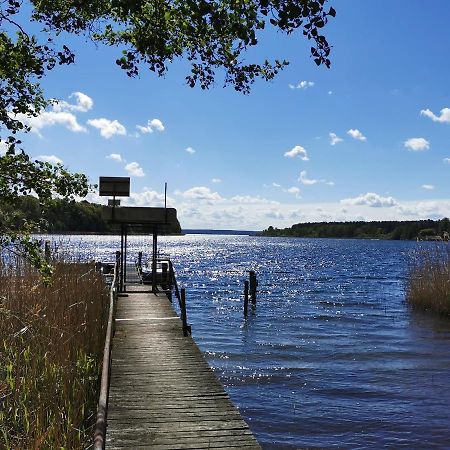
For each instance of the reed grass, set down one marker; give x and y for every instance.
(428, 282)
(51, 347)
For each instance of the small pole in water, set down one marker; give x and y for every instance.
(245, 298)
(253, 285)
(139, 260)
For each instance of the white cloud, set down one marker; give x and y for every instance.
(216, 180)
(152, 125)
(148, 197)
(49, 158)
(299, 151)
(134, 169)
(429, 187)
(249, 199)
(84, 103)
(305, 180)
(302, 85)
(294, 190)
(417, 144)
(190, 150)
(446, 160)
(115, 157)
(356, 134)
(276, 185)
(444, 117)
(334, 138)
(50, 118)
(108, 128)
(371, 199)
(3, 147)
(200, 193)
(330, 92)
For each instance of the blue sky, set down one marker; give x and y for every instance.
(367, 139)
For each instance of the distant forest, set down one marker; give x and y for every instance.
(59, 216)
(398, 230)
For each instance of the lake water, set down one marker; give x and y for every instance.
(331, 357)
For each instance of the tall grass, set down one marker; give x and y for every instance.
(51, 343)
(428, 283)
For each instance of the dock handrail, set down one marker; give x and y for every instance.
(100, 426)
(173, 280)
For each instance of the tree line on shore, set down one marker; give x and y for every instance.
(389, 229)
(58, 216)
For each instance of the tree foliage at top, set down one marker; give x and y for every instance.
(210, 34)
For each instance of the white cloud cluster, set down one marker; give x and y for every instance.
(371, 199)
(190, 150)
(200, 193)
(356, 134)
(3, 147)
(294, 190)
(53, 159)
(334, 138)
(417, 144)
(428, 187)
(299, 151)
(302, 85)
(108, 128)
(216, 180)
(152, 125)
(303, 178)
(84, 103)
(50, 118)
(134, 169)
(444, 116)
(115, 157)
(60, 114)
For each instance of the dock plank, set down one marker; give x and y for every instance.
(163, 394)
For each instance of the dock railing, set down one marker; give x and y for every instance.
(102, 409)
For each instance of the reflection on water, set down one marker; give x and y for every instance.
(331, 357)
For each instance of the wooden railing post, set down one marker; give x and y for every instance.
(164, 278)
(186, 327)
(139, 263)
(47, 250)
(245, 298)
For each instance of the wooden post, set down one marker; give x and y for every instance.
(139, 260)
(245, 298)
(253, 285)
(47, 250)
(186, 327)
(164, 280)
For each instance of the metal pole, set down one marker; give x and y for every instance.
(155, 249)
(125, 260)
(121, 259)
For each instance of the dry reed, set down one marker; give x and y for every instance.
(51, 343)
(428, 283)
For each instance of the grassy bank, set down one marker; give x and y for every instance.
(428, 284)
(51, 342)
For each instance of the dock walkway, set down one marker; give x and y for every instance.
(163, 394)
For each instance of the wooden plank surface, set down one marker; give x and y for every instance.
(163, 395)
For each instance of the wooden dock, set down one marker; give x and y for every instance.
(163, 394)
